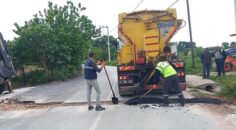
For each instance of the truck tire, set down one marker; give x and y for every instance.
(1, 88)
(228, 66)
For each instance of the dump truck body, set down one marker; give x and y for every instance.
(143, 35)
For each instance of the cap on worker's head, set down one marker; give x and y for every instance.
(91, 54)
(167, 49)
(218, 48)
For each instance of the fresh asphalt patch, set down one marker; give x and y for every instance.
(154, 100)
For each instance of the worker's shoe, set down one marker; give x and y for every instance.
(99, 108)
(90, 108)
(181, 99)
(165, 103)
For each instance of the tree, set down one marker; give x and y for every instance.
(225, 45)
(100, 47)
(55, 38)
(183, 45)
(232, 44)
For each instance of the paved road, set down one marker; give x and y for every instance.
(120, 117)
(73, 90)
(116, 117)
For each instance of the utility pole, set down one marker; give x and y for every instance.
(235, 13)
(190, 34)
(108, 42)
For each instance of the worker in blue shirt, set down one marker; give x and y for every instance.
(90, 70)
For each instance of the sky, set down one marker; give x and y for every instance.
(212, 20)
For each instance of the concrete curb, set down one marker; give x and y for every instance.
(203, 84)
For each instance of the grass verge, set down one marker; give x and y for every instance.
(228, 85)
(189, 69)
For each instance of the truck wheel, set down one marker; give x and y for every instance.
(1, 88)
(228, 66)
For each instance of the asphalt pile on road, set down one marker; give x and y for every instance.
(153, 100)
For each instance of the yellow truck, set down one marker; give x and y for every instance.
(143, 36)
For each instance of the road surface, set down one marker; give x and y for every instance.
(115, 117)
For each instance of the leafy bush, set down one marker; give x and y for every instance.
(32, 78)
(37, 77)
(41, 76)
(186, 52)
(57, 37)
(65, 72)
(99, 47)
(198, 51)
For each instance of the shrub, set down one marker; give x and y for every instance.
(41, 76)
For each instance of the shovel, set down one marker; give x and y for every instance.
(114, 98)
(137, 100)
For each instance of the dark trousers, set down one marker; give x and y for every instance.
(170, 82)
(206, 70)
(220, 66)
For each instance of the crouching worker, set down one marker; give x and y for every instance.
(170, 80)
(90, 70)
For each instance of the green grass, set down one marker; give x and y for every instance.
(228, 85)
(189, 69)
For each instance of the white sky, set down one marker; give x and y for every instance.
(212, 20)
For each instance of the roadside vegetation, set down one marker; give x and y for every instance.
(56, 41)
(189, 69)
(184, 54)
(228, 85)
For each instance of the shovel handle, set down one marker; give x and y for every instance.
(144, 94)
(109, 81)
